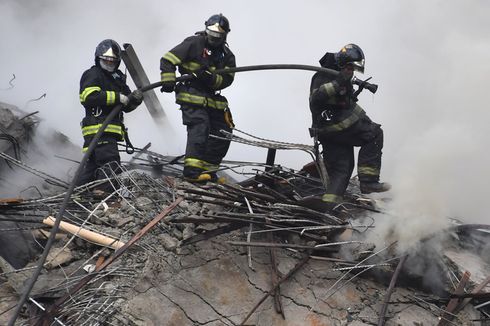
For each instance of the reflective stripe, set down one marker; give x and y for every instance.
(191, 65)
(367, 170)
(194, 162)
(210, 167)
(346, 123)
(172, 58)
(167, 76)
(220, 105)
(111, 97)
(329, 88)
(190, 98)
(332, 198)
(218, 81)
(93, 129)
(84, 149)
(184, 97)
(87, 91)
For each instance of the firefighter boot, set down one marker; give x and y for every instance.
(216, 179)
(317, 203)
(369, 187)
(195, 175)
(202, 178)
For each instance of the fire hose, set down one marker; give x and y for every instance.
(356, 81)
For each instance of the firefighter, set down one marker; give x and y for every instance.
(102, 87)
(204, 110)
(341, 124)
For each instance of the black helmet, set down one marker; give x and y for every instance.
(350, 54)
(108, 55)
(217, 27)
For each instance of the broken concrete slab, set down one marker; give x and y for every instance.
(58, 257)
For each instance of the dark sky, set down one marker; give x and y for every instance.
(430, 59)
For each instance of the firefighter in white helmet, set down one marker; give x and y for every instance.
(102, 87)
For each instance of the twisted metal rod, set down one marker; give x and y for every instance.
(34, 171)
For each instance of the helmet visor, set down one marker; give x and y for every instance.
(358, 65)
(215, 37)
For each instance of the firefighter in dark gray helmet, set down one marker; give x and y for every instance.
(341, 124)
(204, 110)
(102, 87)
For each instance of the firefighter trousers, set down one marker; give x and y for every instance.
(202, 151)
(338, 153)
(101, 164)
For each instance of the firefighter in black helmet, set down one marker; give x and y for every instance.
(204, 110)
(341, 124)
(102, 87)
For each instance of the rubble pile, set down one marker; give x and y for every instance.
(161, 251)
(214, 257)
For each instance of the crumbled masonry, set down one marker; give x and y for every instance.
(214, 258)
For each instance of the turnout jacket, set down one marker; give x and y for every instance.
(99, 93)
(191, 56)
(332, 110)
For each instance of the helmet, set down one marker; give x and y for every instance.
(350, 54)
(217, 27)
(108, 55)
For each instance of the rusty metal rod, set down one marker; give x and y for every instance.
(208, 194)
(257, 195)
(273, 217)
(391, 287)
(211, 233)
(261, 223)
(280, 245)
(209, 201)
(275, 275)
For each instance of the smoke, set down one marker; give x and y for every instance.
(49, 157)
(429, 58)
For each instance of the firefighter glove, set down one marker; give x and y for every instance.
(204, 75)
(168, 86)
(123, 99)
(136, 97)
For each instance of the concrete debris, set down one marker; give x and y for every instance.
(58, 257)
(168, 242)
(14, 278)
(187, 263)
